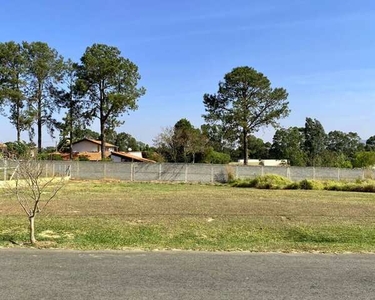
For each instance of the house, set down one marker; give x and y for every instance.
(265, 162)
(91, 149)
(91, 145)
(129, 157)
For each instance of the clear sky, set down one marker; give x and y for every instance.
(321, 51)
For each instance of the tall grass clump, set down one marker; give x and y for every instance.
(269, 181)
(272, 181)
(309, 184)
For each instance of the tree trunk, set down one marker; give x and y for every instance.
(32, 230)
(102, 122)
(18, 111)
(245, 148)
(71, 128)
(18, 124)
(102, 138)
(39, 117)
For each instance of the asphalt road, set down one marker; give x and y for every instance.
(41, 274)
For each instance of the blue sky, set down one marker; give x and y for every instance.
(322, 52)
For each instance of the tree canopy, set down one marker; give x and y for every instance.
(111, 83)
(244, 103)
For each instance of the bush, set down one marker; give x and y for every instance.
(83, 158)
(293, 186)
(213, 157)
(264, 182)
(308, 184)
(280, 182)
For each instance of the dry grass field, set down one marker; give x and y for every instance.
(115, 215)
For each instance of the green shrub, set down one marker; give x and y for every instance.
(332, 185)
(279, 182)
(270, 181)
(292, 186)
(214, 157)
(308, 184)
(83, 158)
(243, 183)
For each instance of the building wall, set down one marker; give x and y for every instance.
(86, 146)
(265, 162)
(199, 172)
(116, 159)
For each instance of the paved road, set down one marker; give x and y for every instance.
(41, 274)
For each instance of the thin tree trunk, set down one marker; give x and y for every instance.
(18, 112)
(245, 148)
(32, 230)
(18, 124)
(102, 137)
(102, 122)
(39, 123)
(71, 128)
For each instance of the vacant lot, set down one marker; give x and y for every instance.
(114, 215)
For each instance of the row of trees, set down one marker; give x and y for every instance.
(36, 83)
(302, 146)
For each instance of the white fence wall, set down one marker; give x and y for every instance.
(186, 172)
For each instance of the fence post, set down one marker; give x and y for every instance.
(236, 172)
(104, 170)
(77, 169)
(288, 173)
(338, 173)
(186, 173)
(132, 172)
(363, 174)
(262, 171)
(314, 173)
(159, 172)
(212, 174)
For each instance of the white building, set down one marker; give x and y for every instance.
(89, 145)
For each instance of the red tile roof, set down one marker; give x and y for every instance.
(97, 142)
(132, 157)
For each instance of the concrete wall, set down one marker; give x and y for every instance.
(193, 172)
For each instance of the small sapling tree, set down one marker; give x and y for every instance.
(34, 190)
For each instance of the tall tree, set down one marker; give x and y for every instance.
(245, 102)
(315, 141)
(344, 143)
(44, 68)
(370, 143)
(69, 98)
(110, 81)
(167, 145)
(124, 142)
(288, 144)
(12, 85)
(182, 135)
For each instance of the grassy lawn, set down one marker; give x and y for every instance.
(114, 215)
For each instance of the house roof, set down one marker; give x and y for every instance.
(132, 157)
(95, 142)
